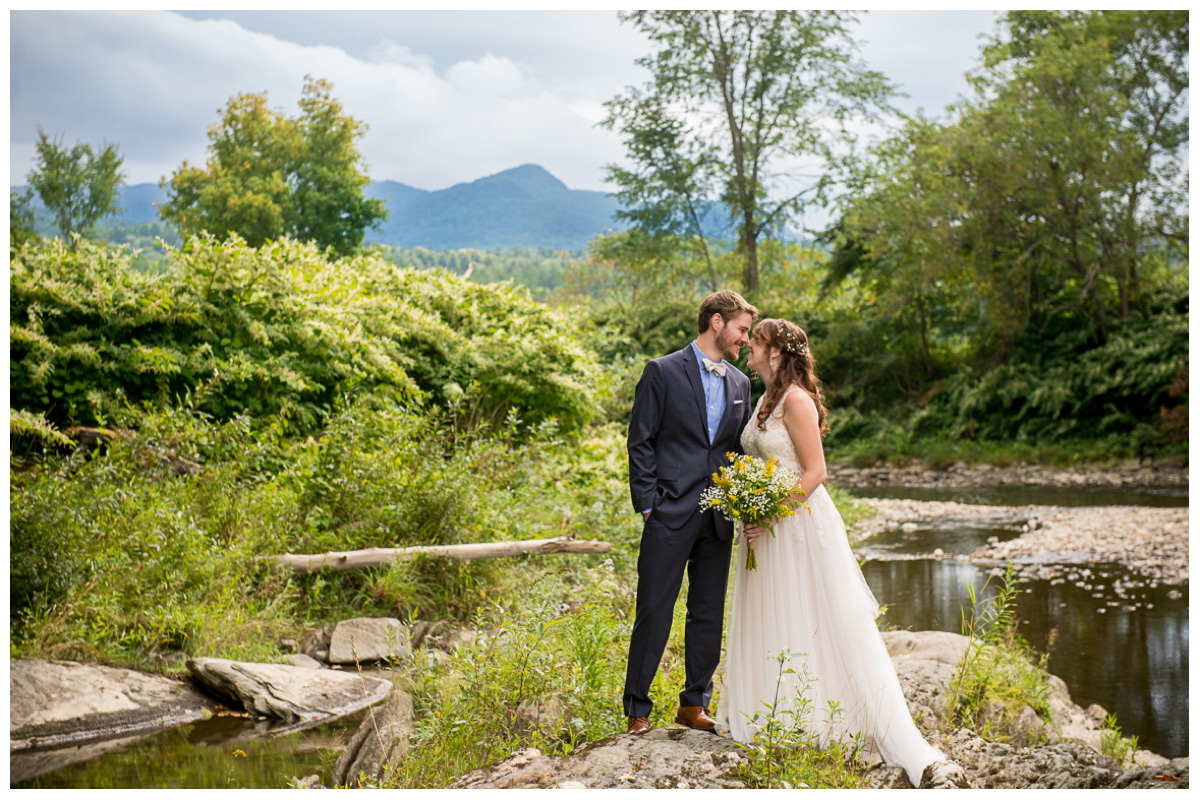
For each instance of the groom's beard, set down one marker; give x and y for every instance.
(728, 345)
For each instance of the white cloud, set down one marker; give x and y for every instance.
(153, 82)
(487, 76)
(389, 52)
(448, 96)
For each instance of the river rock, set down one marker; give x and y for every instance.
(381, 741)
(1166, 472)
(1027, 728)
(316, 641)
(366, 639)
(292, 694)
(665, 758)
(998, 765)
(59, 701)
(925, 662)
(1171, 775)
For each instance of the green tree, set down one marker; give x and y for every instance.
(270, 175)
(21, 225)
(737, 95)
(1053, 192)
(1112, 86)
(663, 196)
(77, 184)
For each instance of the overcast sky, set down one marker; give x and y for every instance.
(449, 96)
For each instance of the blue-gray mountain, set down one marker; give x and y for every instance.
(521, 207)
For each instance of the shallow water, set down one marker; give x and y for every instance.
(1116, 638)
(219, 753)
(1171, 497)
(952, 535)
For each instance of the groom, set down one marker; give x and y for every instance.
(688, 412)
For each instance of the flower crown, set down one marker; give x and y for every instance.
(793, 346)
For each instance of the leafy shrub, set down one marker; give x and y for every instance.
(279, 328)
(154, 545)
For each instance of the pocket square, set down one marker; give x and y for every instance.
(737, 402)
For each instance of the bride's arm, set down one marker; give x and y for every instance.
(800, 418)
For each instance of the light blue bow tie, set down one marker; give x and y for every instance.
(714, 366)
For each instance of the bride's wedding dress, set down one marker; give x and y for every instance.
(808, 596)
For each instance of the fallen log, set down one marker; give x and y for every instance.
(373, 556)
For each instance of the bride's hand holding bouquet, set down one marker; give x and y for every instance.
(754, 492)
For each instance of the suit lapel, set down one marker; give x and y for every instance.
(692, 368)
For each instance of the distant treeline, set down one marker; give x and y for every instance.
(539, 269)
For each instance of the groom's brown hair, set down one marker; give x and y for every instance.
(728, 304)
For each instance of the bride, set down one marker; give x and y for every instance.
(802, 645)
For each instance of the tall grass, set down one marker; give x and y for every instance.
(1000, 674)
(124, 557)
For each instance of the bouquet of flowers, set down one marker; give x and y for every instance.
(753, 490)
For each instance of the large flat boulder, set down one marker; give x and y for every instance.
(292, 694)
(368, 639)
(53, 702)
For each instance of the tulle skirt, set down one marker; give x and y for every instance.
(802, 646)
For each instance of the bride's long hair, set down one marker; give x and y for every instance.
(795, 365)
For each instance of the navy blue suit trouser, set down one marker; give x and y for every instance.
(662, 558)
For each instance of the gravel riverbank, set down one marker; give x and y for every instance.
(1153, 541)
(1163, 473)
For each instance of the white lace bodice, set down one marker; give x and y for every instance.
(774, 441)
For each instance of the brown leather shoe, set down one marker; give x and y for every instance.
(638, 725)
(695, 717)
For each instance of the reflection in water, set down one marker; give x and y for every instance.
(1126, 649)
(216, 753)
(1170, 497)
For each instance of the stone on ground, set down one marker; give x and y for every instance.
(292, 694)
(1171, 775)
(369, 639)
(665, 758)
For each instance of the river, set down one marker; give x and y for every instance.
(1117, 639)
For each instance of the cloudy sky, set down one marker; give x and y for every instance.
(449, 96)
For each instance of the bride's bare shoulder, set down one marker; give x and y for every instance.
(798, 403)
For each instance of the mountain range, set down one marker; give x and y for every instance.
(521, 207)
(524, 206)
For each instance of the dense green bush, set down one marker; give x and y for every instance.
(279, 328)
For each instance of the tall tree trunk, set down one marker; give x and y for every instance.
(750, 243)
(723, 70)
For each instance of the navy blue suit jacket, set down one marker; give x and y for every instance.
(670, 459)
